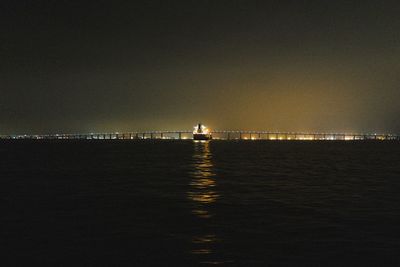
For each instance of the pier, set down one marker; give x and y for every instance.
(217, 135)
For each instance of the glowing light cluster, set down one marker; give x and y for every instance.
(200, 129)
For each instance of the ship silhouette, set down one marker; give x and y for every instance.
(201, 133)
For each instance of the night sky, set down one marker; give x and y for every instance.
(96, 66)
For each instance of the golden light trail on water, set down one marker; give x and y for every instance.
(203, 194)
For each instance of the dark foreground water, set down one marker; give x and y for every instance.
(181, 203)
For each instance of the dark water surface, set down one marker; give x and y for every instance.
(181, 203)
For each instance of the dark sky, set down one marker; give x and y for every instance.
(85, 66)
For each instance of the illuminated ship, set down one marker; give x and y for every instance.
(201, 133)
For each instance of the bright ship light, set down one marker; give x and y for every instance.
(200, 130)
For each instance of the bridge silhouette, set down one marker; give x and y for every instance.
(217, 135)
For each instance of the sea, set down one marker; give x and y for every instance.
(187, 203)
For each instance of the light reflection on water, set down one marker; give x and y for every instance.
(203, 181)
(203, 193)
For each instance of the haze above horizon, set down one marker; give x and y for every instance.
(74, 66)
